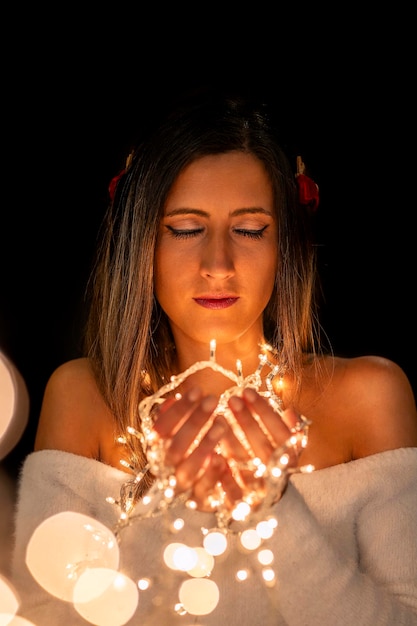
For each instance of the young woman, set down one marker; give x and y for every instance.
(203, 365)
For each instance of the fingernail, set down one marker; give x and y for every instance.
(250, 394)
(216, 431)
(193, 394)
(236, 403)
(217, 461)
(209, 403)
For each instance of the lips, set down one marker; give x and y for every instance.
(216, 303)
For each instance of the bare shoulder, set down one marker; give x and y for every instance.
(362, 370)
(73, 413)
(386, 410)
(362, 406)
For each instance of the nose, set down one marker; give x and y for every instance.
(217, 258)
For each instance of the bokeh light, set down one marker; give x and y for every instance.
(105, 597)
(14, 405)
(9, 602)
(199, 596)
(215, 542)
(204, 565)
(66, 544)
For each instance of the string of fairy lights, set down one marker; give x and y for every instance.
(250, 518)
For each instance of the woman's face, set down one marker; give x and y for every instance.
(216, 255)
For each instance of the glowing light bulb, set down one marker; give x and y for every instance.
(9, 602)
(177, 524)
(66, 544)
(169, 554)
(268, 575)
(276, 472)
(212, 350)
(179, 609)
(242, 574)
(184, 558)
(250, 539)
(239, 371)
(265, 557)
(143, 584)
(105, 597)
(199, 596)
(241, 511)
(260, 470)
(308, 469)
(169, 493)
(204, 565)
(215, 542)
(264, 530)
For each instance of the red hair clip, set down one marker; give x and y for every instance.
(115, 180)
(308, 190)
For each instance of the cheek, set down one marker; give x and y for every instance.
(167, 275)
(159, 274)
(263, 270)
(263, 281)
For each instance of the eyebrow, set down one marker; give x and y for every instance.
(235, 213)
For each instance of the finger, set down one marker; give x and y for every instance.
(172, 413)
(271, 420)
(189, 434)
(290, 417)
(232, 446)
(190, 468)
(232, 489)
(216, 486)
(262, 425)
(256, 439)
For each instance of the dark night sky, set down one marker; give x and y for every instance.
(70, 110)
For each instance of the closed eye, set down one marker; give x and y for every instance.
(253, 234)
(179, 233)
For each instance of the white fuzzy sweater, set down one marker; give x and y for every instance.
(345, 548)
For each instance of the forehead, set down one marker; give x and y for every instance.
(233, 178)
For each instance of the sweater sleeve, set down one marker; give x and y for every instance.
(374, 581)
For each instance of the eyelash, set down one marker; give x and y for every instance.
(186, 234)
(252, 234)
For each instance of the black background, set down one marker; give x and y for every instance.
(76, 84)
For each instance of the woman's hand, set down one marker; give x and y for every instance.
(206, 454)
(259, 436)
(263, 428)
(191, 437)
